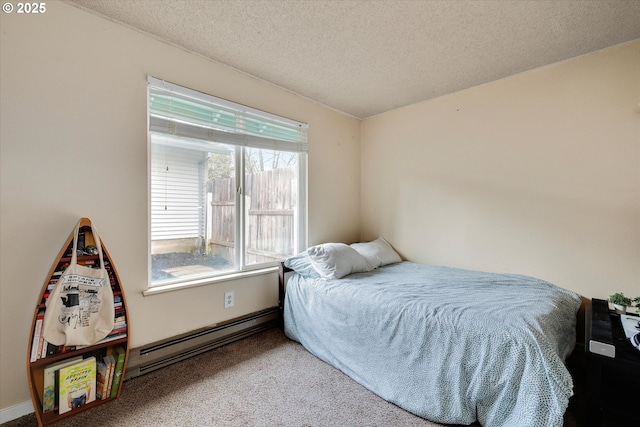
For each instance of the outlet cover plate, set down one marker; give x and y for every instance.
(229, 299)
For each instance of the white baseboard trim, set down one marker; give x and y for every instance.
(16, 411)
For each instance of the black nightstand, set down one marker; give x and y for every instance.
(613, 383)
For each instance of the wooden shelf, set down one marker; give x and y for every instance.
(36, 368)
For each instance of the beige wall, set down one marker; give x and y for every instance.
(536, 174)
(74, 143)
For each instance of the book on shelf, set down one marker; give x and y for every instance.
(50, 389)
(120, 326)
(118, 329)
(41, 346)
(114, 337)
(81, 241)
(36, 345)
(49, 349)
(111, 367)
(102, 379)
(77, 385)
(119, 356)
(52, 349)
(50, 286)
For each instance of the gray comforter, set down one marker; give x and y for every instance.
(450, 345)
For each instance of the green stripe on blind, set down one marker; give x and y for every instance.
(173, 106)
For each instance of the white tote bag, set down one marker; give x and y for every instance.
(80, 309)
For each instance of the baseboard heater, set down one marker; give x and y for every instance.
(157, 355)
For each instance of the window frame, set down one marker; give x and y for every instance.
(293, 142)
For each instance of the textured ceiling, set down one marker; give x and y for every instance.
(367, 57)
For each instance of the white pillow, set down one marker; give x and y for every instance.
(336, 260)
(377, 253)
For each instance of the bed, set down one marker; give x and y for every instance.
(450, 345)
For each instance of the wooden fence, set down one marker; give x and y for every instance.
(270, 199)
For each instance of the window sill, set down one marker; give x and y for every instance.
(207, 281)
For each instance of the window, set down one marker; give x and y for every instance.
(228, 186)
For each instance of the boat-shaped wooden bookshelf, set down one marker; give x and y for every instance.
(44, 359)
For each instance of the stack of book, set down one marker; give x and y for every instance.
(109, 374)
(75, 382)
(69, 384)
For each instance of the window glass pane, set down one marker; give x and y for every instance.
(270, 205)
(192, 208)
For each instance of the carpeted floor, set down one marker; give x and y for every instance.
(263, 380)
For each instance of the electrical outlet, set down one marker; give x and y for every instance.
(229, 299)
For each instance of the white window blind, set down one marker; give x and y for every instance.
(181, 111)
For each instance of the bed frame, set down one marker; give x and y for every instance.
(282, 269)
